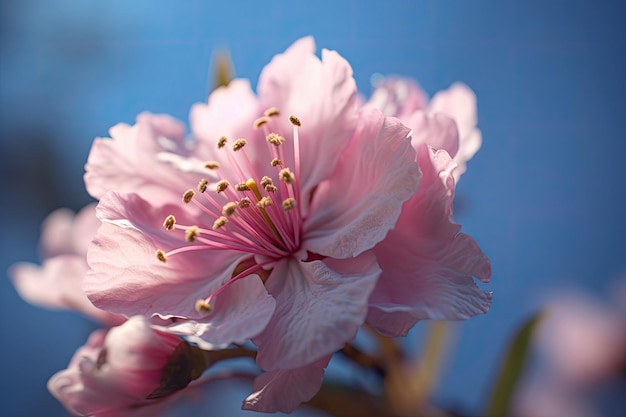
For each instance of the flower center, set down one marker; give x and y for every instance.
(255, 212)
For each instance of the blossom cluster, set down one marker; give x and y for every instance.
(283, 223)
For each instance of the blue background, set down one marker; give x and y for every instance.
(544, 196)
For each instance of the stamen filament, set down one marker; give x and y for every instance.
(255, 189)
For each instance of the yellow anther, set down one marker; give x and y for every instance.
(264, 202)
(219, 222)
(222, 186)
(289, 203)
(161, 256)
(275, 139)
(260, 122)
(229, 209)
(239, 143)
(222, 142)
(188, 196)
(294, 121)
(169, 222)
(271, 112)
(244, 203)
(211, 165)
(286, 176)
(241, 187)
(276, 161)
(202, 184)
(191, 234)
(203, 307)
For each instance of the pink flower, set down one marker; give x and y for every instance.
(116, 371)
(404, 99)
(57, 283)
(293, 210)
(427, 265)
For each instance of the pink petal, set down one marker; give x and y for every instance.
(126, 277)
(434, 129)
(319, 307)
(149, 158)
(58, 284)
(284, 390)
(56, 233)
(427, 266)
(355, 208)
(398, 97)
(239, 313)
(322, 94)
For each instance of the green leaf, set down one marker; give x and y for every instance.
(512, 367)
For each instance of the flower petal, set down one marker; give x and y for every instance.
(239, 313)
(434, 129)
(362, 200)
(284, 390)
(319, 307)
(427, 266)
(127, 278)
(323, 95)
(398, 97)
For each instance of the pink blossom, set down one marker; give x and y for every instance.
(57, 283)
(404, 99)
(115, 372)
(427, 265)
(303, 235)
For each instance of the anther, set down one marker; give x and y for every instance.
(169, 222)
(222, 142)
(191, 234)
(202, 184)
(229, 209)
(239, 143)
(289, 203)
(221, 186)
(244, 203)
(286, 175)
(264, 202)
(294, 121)
(275, 139)
(161, 256)
(203, 307)
(271, 112)
(219, 222)
(188, 196)
(276, 161)
(260, 122)
(270, 188)
(265, 181)
(241, 187)
(211, 165)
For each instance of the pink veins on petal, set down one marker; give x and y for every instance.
(252, 208)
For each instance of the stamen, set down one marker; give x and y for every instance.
(244, 203)
(242, 187)
(191, 233)
(229, 209)
(219, 222)
(202, 184)
(222, 186)
(276, 161)
(203, 307)
(270, 188)
(239, 143)
(289, 203)
(275, 139)
(286, 175)
(260, 122)
(271, 112)
(169, 222)
(188, 196)
(265, 181)
(161, 256)
(222, 142)
(264, 202)
(295, 121)
(212, 165)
